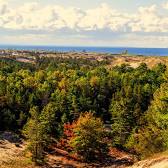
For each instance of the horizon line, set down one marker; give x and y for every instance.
(73, 46)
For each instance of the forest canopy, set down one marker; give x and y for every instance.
(40, 99)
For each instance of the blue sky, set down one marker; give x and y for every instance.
(133, 23)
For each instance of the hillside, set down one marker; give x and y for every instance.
(135, 61)
(13, 155)
(73, 111)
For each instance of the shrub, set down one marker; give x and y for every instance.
(67, 135)
(88, 140)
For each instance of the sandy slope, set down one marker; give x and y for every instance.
(135, 61)
(11, 157)
(11, 151)
(8, 151)
(161, 162)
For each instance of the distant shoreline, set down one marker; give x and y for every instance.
(110, 60)
(111, 50)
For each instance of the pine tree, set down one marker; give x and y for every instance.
(152, 136)
(36, 134)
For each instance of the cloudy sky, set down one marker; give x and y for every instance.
(132, 23)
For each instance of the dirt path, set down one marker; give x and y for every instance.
(161, 162)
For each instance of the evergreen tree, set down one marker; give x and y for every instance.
(37, 136)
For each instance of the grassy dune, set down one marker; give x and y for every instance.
(135, 61)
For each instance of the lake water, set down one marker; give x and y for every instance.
(113, 50)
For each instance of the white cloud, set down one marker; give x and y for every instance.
(94, 23)
(165, 5)
(97, 18)
(147, 20)
(29, 7)
(3, 7)
(35, 17)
